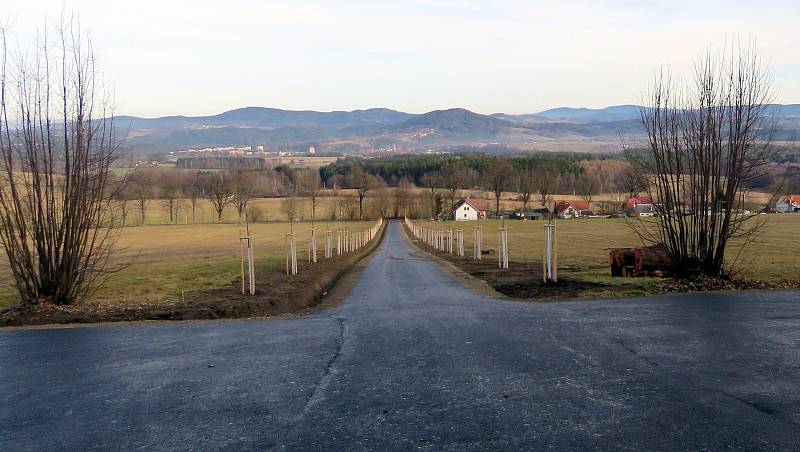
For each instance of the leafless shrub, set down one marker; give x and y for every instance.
(706, 143)
(57, 145)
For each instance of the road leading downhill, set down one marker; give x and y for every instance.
(414, 358)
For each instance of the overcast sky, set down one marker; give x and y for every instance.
(203, 57)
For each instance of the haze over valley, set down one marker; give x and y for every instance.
(377, 129)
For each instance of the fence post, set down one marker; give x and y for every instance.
(327, 244)
(476, 248)
(502, 258)
(450, 240)
(252, 265)
(291, 255)
(247, 254)
(550, 258)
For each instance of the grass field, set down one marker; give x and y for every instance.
(584, 243)
(164, 260)
(268, 209)
(161, 261)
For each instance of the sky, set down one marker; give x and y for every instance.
(203, 57)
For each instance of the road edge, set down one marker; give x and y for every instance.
(476, 284)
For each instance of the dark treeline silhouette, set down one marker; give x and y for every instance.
(414, 167)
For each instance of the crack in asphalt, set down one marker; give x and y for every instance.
(317, 395)
(758, 407)
(327, 374)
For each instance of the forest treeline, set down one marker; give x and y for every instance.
(535, 179)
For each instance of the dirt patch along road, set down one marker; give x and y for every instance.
(414, 358)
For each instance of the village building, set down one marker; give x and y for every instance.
(640, 207)
(468, 209)
(570, 209)
(790, 203)
(537, 213)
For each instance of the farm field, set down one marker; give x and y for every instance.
(163, 260)
(583, 245)
(263, 209)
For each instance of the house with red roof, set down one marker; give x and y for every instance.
(640, 207)
(571, 209)
(789, 203)
(469, 209)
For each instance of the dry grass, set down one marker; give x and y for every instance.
(584, 244)
(269, 209)
(164, 260)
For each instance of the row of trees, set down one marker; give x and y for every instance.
(535, 180)
(221, 189)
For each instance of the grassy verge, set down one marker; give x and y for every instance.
(772, 261)
(167, 266)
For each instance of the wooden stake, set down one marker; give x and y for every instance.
(555, 252)
(241, 259)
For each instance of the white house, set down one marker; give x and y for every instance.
(570, 209)
(467, 209)
(789, 203)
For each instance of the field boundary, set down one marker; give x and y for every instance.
(281, 296)
(473, 282)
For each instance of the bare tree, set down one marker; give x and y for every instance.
(363, 182)
(545, 181)
(706, 143)
(429, 180)
(525, 185)
(633, 182)
(142, 188)
(192, 188)
(402, 195)
(170, 193)
(243, 185)
(311, 186)
(57, 144)
(290, 207)
(218, 192)
(121, 193)
(451, 178)
(349, 205)
(497, 177)
(586, 188)
(383, 202)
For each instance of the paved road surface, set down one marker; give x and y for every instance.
(414, 359)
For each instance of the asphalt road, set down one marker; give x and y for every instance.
(414, 359)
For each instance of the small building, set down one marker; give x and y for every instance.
(640, 207)
(468, 209)
(790, 203)
(570, 209)
(537, 213)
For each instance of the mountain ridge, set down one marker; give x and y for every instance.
(368, 128)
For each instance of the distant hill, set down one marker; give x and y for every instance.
(454, 120)
(366, 129)
(588, 115)
(620, 113)
(270, 118)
